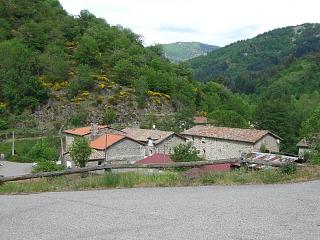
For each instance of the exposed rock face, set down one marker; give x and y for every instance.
(56, 113)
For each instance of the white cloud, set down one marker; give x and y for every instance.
(208, 21)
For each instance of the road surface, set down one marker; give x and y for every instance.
(14, 169)
(213, 212)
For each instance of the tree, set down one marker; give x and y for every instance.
(125, 72)
(227, 118)
(311, 127)
(19, 85)
(87, 52)
(80, 151)
(45, 155)
(278, 116)
(185, 153)
(82, 81)
(43, 152)
(54, 63)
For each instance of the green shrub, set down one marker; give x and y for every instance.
(43, 152)
(83, 81)
(110, 116)
(79, 119)
(185, 153)
(4, 124)
(289, 168)
(263, 148)
(47, 166)
(80, 151)
(315, 158)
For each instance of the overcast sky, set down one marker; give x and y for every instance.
(208, 21)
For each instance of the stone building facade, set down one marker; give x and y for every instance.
(124, 150)
(214, 143)
(303, 147)
(156, 141)
(90, 132)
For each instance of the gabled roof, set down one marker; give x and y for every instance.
(234, 134)
(143, 135)
(107, 140)
(304, 143)
(83, 130)
(155, 159)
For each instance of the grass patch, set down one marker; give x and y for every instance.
(23, 146)
(166, 179)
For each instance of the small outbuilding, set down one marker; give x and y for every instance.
(303, 146)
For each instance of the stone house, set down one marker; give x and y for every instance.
(116, 148)
(156, 141)
(215, 143)
(89, 132)
(303, 146)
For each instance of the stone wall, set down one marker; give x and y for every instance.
(215, 149)
(270, 142)
(125, 151)
(168, 144)
(302, 151)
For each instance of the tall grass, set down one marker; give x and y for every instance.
(166, 179)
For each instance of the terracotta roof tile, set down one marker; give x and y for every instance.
(142, 135)
(235, 134)
(200, 120)
(83, 130)
(103, 142)
(155, 159)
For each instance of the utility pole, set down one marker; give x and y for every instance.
(105, 150)
(61, 146)
(12, 153)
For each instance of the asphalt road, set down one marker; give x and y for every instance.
(214, 212)
(14, 169)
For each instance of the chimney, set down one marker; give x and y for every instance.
(94, 131)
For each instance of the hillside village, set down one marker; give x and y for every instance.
(130, 145)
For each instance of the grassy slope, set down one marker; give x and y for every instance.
(167, 179)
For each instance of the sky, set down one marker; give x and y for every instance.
(208, 21)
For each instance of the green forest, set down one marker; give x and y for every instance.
(182, 51)
(51, 58)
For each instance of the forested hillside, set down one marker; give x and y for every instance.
(279, 71)
(246, 66)
(182, 51)
(58, 70)
(61, 70)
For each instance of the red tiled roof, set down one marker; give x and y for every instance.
(83, 130)
(156, 158)
(200, 120)
(235, 134)
(142, 135)
(103, 142)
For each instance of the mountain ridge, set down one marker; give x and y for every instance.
(181, 51)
